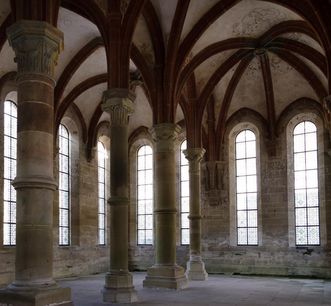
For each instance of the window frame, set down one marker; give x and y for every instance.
(181, 197)
(69, 187)
(233, 239)
(12, 190)
(293, 122)
(145, 199)
(103, 198)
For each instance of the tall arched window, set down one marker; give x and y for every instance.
(101, 193)
(306, 197)
(9, 193)
(246, 188)
(145, 195)
(184, 196)
(64, 186)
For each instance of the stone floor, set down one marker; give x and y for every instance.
(218, 290)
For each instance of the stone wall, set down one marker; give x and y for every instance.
(276, 253)
(84, 255)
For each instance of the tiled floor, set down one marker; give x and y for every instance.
(218, 290)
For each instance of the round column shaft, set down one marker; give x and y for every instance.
(165, 273)
(118, 284)
(36, 45)
(195, 266)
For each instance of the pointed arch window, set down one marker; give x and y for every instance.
(145, 195)
(246, 188)
(184, 196)
(306, 196)
(9, 193)
(64, 186)
(102, 154)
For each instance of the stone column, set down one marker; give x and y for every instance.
(165, 272)
(195, 266)
(36, 45)
(118, 288)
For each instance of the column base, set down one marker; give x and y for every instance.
(162, 276)
(36, 297)
(196, 270)
(119, 288)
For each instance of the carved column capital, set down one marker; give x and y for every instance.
(194, 154)
(164, 135)
(37, 45)
(118, 102)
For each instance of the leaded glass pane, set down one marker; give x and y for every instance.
(101, 206)
(311, 144)
(149, 191)
(241, 201)
(250, 166)
(312, 197)
(241, 167)
(149, 222)
(185, 236)
(301, 235)
(250, 149)
(313, 235)
(149, 177)
(141, 237)
(313, 218)
(6, 189)
(141, 207)
(241, 184)
(300, 198)
(240, 150)
(249, 135)
(299, 143)
(184, 174)
(141, 162)
(251, 183)
(311, 160)
(299, 129)
(251, 200)
(252, 235)
(312, 180)
(300, 179)
(149, 236)
(185, 189)
(242, 236)
(301, 216)
(6, 234)
(141, 222)
(185, 204)
(145, 195)
(242, 218)
(185, 220)
(252, 218)
(149, 206)
(299, 161)
(102, 238)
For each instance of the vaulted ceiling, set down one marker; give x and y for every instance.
(253, 54)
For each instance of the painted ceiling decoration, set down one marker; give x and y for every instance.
(192, 60)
